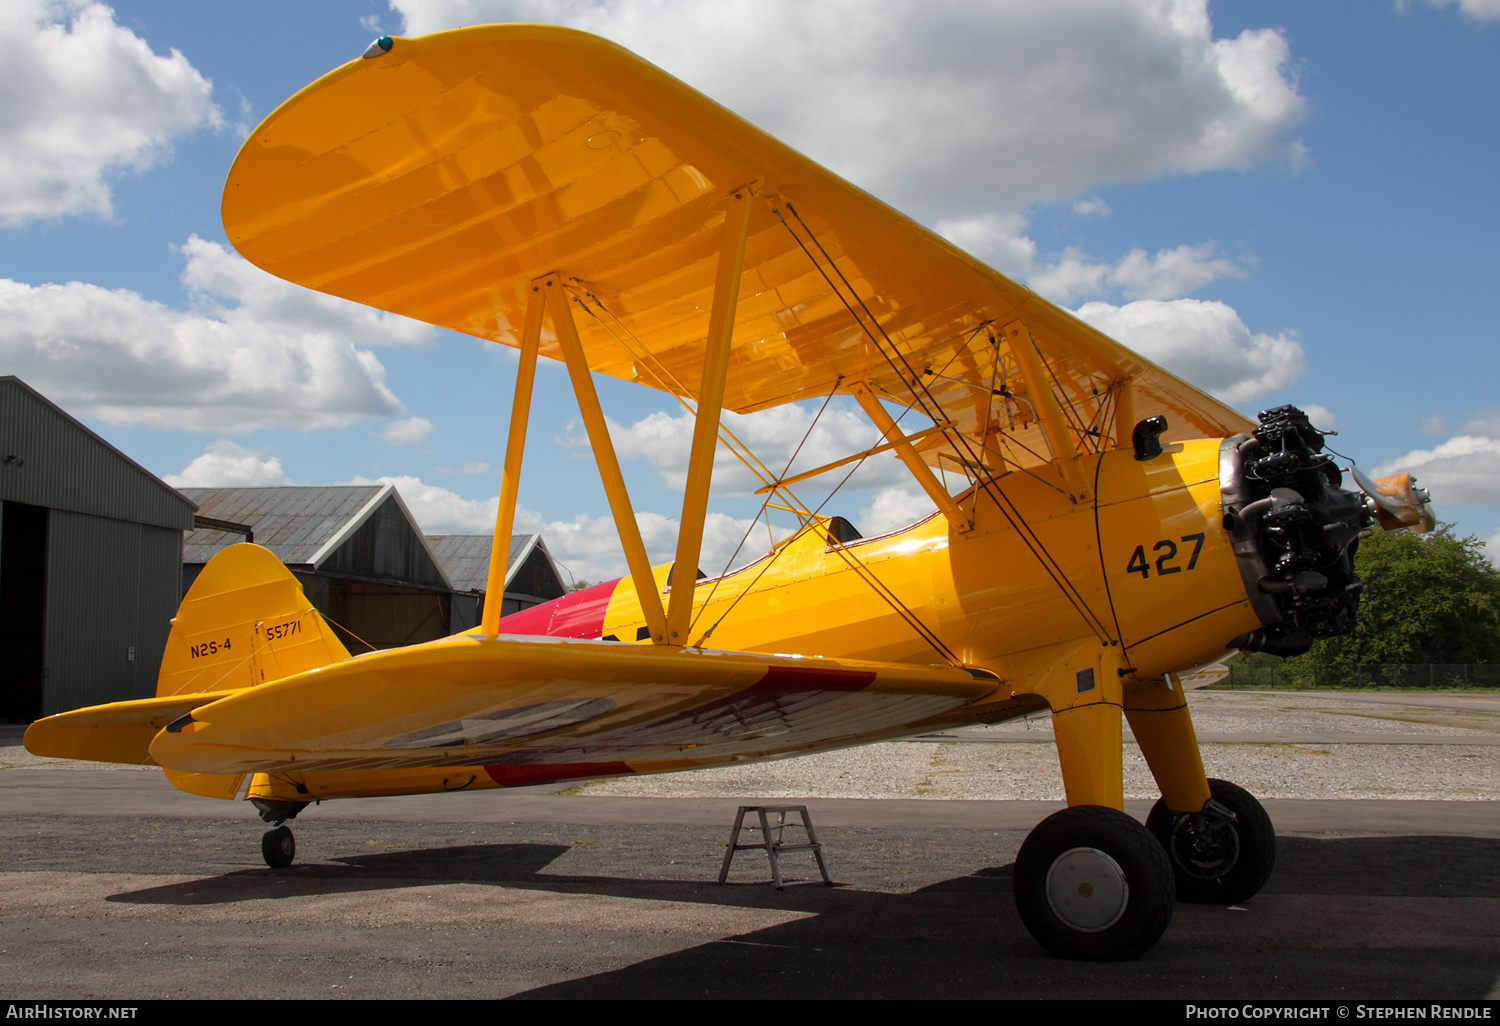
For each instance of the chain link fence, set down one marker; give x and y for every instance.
(1292, 674)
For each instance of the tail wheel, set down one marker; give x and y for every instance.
(1092, 883)
(1223, 855)
(279, 847)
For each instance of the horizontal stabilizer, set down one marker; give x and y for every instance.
(208, 785)
(118, 732)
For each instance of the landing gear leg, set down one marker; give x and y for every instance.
(279, 847)
(1092, 883)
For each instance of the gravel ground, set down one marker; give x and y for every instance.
(1003, 766)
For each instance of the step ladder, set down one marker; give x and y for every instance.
(770, 839)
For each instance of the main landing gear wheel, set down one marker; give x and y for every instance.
(1092, 883)
(279, 847)
(1222, 855)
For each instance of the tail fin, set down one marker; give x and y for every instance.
(245, 621)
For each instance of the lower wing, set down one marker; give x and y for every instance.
(472, 700)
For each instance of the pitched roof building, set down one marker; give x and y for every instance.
(90, 557)
(364, 562)
(531, 576)
(356, 549)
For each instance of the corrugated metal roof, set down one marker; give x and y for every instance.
(60, 464)
(466, 557)
(296, 523)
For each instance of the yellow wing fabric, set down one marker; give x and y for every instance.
(438, 179)
(473, 700)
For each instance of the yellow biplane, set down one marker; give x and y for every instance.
(549, 190)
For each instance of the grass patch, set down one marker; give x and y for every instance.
(580, 787)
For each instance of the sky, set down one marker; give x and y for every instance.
(1279, 201)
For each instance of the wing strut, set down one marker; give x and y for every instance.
(510, 479)
(1044, 400)
(919, 470)
(706, 420)
(604, 455)
(1124, 413)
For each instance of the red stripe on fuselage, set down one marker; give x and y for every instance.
(578, 614)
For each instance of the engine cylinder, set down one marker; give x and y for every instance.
(1295, 531)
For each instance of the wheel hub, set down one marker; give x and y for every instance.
(1087, 889)
(1204, 849)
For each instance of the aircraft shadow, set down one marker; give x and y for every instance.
(960, 935)
(480, 863)
(1417, 866)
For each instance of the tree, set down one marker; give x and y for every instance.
(1431, 598)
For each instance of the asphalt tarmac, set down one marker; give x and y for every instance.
(114, 885)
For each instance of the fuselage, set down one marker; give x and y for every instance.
(1144, 561)
(1166, 562)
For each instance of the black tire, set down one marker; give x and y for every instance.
(1092, 883)
(278, 847)
(1221, 863)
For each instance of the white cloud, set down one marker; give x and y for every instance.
(411, 431)
(1321, 416)
(1482, 422)
(478, 467)
(1000, 240)
(230, 288)
(588, 546)
(938, 107)
(1203, 342)
(1091, 205)
(83, 99)
(772, 435)
(227, 465)
(1492, 548)
(254, 351)
(1465, 468)
(1169, 274)
(893, 508)
(1476, 10)
(438, 510)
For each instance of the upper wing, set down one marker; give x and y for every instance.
(470, 700)
(437, 180)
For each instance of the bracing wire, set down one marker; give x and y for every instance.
(255, 651)
(798, 507)
(764, 508)
(989, 482)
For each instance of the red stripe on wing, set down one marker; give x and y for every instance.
(782, 693)
(521, 776)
